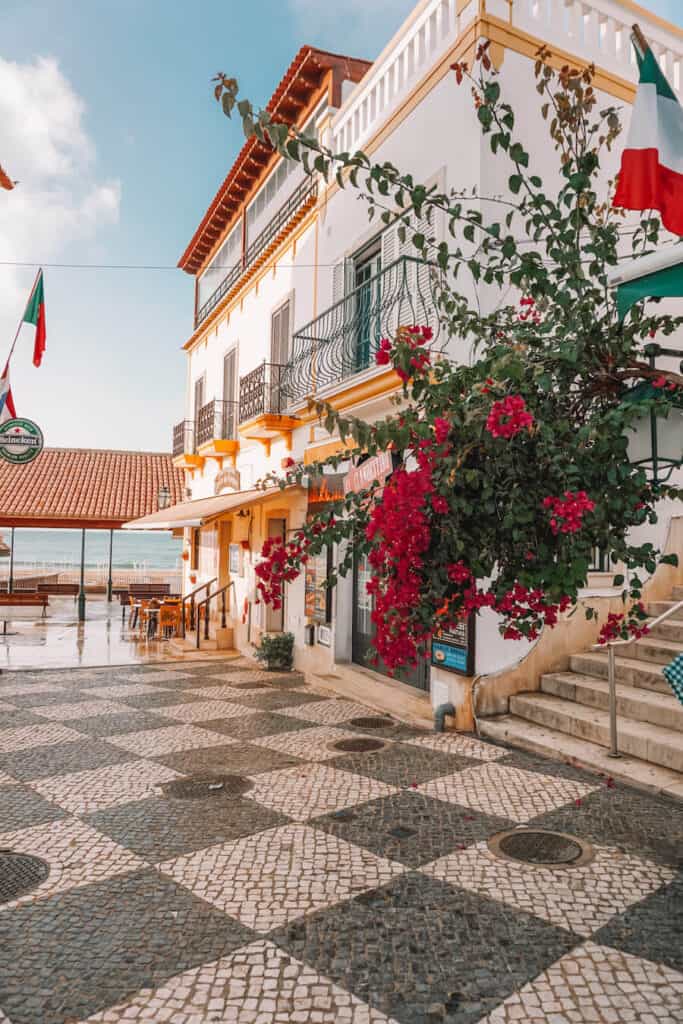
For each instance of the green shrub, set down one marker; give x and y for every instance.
(277, 650)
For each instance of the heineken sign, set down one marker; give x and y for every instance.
(20, 440)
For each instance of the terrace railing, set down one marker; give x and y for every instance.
(183, 437)
(301, 195)
(262, 392)
(217, 421)
(343, 340)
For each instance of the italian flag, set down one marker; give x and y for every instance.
(35, 314)
(651, 175)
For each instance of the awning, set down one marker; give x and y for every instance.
(659, 275)
(201, 510)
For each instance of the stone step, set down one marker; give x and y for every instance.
(638, 739)
(656, 608)
(652, 649)
(641, 705)
(670, 629)
(677, 593)
(526, 735)
(631, 671)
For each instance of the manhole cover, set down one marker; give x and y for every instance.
(199, 787)
(537, 846)
(372, 722)
(402, 832)
(19, 873)
(359, 746)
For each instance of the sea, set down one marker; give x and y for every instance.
(63, 548)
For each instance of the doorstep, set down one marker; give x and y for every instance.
(377, 691)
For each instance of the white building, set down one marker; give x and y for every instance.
(294, 287)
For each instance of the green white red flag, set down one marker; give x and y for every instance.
(35, 314)
(651, 175)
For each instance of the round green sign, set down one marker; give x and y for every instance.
(20, 440)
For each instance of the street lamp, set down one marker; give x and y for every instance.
(163, 497)
(655, 442)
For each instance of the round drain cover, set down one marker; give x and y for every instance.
(200, 787)
(359, 746)
(372, 722)
(19, 873)
(540, 847)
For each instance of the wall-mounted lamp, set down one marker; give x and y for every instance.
(163, 497)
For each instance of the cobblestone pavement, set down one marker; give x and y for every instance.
(355, 886)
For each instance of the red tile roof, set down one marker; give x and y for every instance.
(298, 85)
(70, 487)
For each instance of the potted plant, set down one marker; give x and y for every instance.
(277, 650)
(193, 578)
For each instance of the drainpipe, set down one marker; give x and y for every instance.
(440, 714)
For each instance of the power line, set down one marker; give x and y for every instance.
(136, 266)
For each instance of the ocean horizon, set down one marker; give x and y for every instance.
(63, 548)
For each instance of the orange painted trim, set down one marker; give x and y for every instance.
(218, 448)
(320, 452)
(188, 461)
(383, 383)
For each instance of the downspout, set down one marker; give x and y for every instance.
(440, 714)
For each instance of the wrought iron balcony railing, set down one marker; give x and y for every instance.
(262, 392)
(183, 438)
(343, 340)
(217, 421)
(300, 197)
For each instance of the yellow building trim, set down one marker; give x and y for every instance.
(364, 391)
(189, 461)
(643, 12)
(320, 452)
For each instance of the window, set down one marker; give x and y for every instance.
(198, 396)
(229, 387)
(279, 335)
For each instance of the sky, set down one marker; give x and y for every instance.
(107, 121)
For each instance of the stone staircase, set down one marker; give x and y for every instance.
(568, 717)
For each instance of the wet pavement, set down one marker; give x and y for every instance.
(29, 640)
(324, 884)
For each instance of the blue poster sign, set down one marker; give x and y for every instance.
(454, 649)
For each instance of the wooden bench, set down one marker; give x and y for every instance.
(24, 599)
(59, 589)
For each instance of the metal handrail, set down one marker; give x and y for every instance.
(207, 602)
(191, 598)
(611, 675)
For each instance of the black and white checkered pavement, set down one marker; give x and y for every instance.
(351, 887)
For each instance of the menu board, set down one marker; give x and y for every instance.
(453, 649)
(318, 597)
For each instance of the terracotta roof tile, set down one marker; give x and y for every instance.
(85, 487)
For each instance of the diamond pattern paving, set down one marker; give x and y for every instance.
(340, 887)
(276, 876)
(307, 791)
(508, 792)
(596, 983)
(257, 983)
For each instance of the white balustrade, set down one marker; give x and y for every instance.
(594, 30)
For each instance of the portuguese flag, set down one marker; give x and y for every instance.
(35, 314)
(651, 175)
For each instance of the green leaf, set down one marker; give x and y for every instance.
(485, 116)
(515, 183)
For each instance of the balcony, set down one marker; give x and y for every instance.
(287, 216)
(217, 430)
(263, 405)
(343, 340)
(185, 454)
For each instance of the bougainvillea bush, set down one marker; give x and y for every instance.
(512, 469)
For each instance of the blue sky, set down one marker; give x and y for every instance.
(108, 122)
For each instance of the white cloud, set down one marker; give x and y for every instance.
(58, 200)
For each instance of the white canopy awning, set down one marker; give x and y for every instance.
(199, 511)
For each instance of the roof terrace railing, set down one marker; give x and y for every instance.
(262, 392)
(300, 197)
